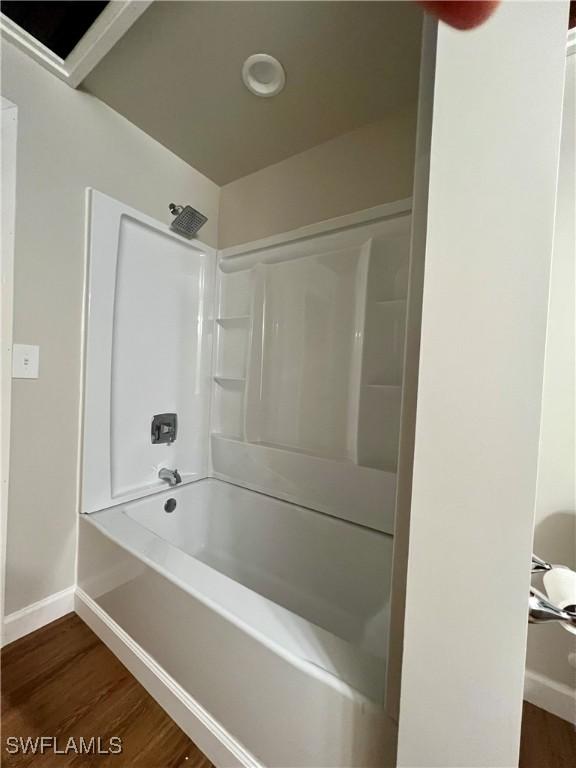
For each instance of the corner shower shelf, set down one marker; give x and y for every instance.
(391, 301)
(228, 436)
(229, 381)
(233, 320)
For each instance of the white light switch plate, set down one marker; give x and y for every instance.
(25, 361)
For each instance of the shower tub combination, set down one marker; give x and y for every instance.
(252, 599)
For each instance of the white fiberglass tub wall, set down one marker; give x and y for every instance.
(309, 357)
(148, 352)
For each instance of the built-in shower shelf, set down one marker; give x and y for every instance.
(383, 386)
(228, 436)
(390, 301)
(318, 452)
(229, 381)
(233, 320)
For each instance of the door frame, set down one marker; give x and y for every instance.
(9, 137)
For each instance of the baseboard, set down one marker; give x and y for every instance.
(36, 615)
(557, 698)
(210, 737)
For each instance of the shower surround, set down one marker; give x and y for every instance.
(258, 589)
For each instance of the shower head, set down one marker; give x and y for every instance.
(188, 220)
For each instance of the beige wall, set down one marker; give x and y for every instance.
(555, 532)
(67, 140)
(369, 166)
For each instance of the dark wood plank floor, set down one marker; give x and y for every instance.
(63, 681)
(547, 741)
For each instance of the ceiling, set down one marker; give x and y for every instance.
(176, 74)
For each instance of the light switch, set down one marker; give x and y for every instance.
(25, 361)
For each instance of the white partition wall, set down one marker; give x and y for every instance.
(494, 161)
(550, 678)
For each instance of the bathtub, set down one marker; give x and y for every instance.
(263, 612)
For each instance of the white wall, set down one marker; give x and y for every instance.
(366, 167)
(490, 223)
(67, 140)
(555, 531)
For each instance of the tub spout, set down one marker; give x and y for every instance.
(171, 476)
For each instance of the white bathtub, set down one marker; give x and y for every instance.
(272, 617)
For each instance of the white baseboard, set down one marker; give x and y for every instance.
(36, 615)
(214, 741)
(550, 695)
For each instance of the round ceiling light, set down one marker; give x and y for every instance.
(263, 75)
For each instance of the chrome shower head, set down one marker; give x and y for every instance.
(188, 220)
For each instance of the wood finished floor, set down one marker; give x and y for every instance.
(547, 741)
(63, 681)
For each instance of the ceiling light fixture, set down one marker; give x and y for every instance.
(263, 75)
